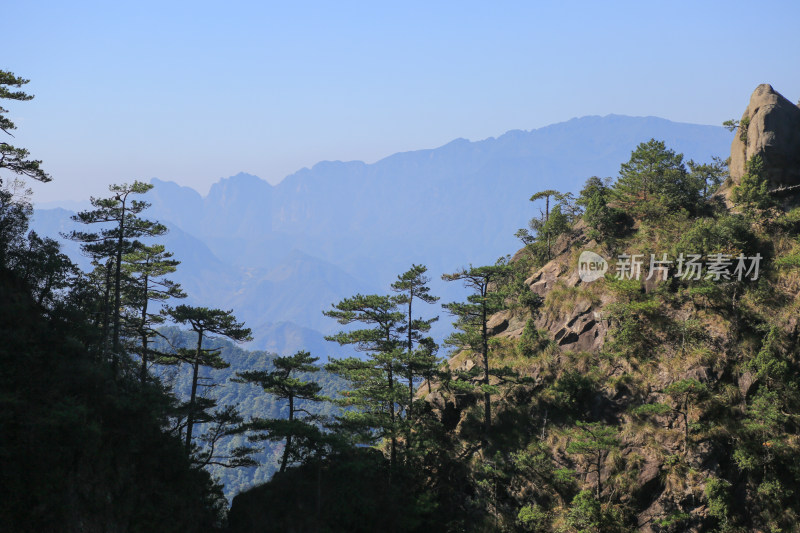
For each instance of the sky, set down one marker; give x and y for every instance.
(196, 91)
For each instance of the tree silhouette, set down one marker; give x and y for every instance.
(205, 322)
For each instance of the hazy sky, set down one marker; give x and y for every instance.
(195, 91)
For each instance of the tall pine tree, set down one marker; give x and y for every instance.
(420, 356)
(284, 383)
(146, 269)
(375, 390)
(120, 227)
(206, 323)
(472, 317)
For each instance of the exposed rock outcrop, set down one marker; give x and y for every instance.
(770, 127)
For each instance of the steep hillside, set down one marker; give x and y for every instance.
(661, 404)
(662, 397)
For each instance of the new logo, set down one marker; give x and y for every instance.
(591, 266)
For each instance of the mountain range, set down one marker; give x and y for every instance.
(278, 255)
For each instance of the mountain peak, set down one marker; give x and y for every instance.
(241, 185)
(245, 178)
(173, 187)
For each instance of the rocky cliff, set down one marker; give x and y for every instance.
(769, 127)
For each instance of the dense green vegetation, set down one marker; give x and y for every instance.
(665, 401)
(85, 445)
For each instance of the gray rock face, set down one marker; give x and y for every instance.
(770, 127)
(579, 328)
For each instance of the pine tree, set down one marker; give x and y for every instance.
(373, 380)
(284, 384)
(685, 393)
(594, 441)
(46, 270)
(540, 226)
(223, 423)
(751, 194)
(205, 322)
(15, 207)
(14, 216)
(13, 159)
(551, 223)
(472, 317)
(709, 176)
(604, 221)
(146, 268)
(122, 226)
(419, 362)
(654, 181)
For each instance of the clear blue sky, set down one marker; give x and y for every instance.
(195, 91)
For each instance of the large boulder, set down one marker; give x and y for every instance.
(770, 127)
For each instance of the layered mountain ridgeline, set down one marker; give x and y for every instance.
(275, 300)
(372, 220)
(278, 254)
(663, 402)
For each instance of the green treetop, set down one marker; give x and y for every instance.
(603, 220)
(120, 226)
(373, 380)
(655, 180)
(13, 159)
(284, 384)
(472, 317)
(206, 323)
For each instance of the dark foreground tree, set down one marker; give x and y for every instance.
(284, 384)
(80, 451)
(346, 493)
(120, 225)
(472, 317)
(207, 323)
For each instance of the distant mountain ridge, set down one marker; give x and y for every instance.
(347, 212)
(281, 254)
